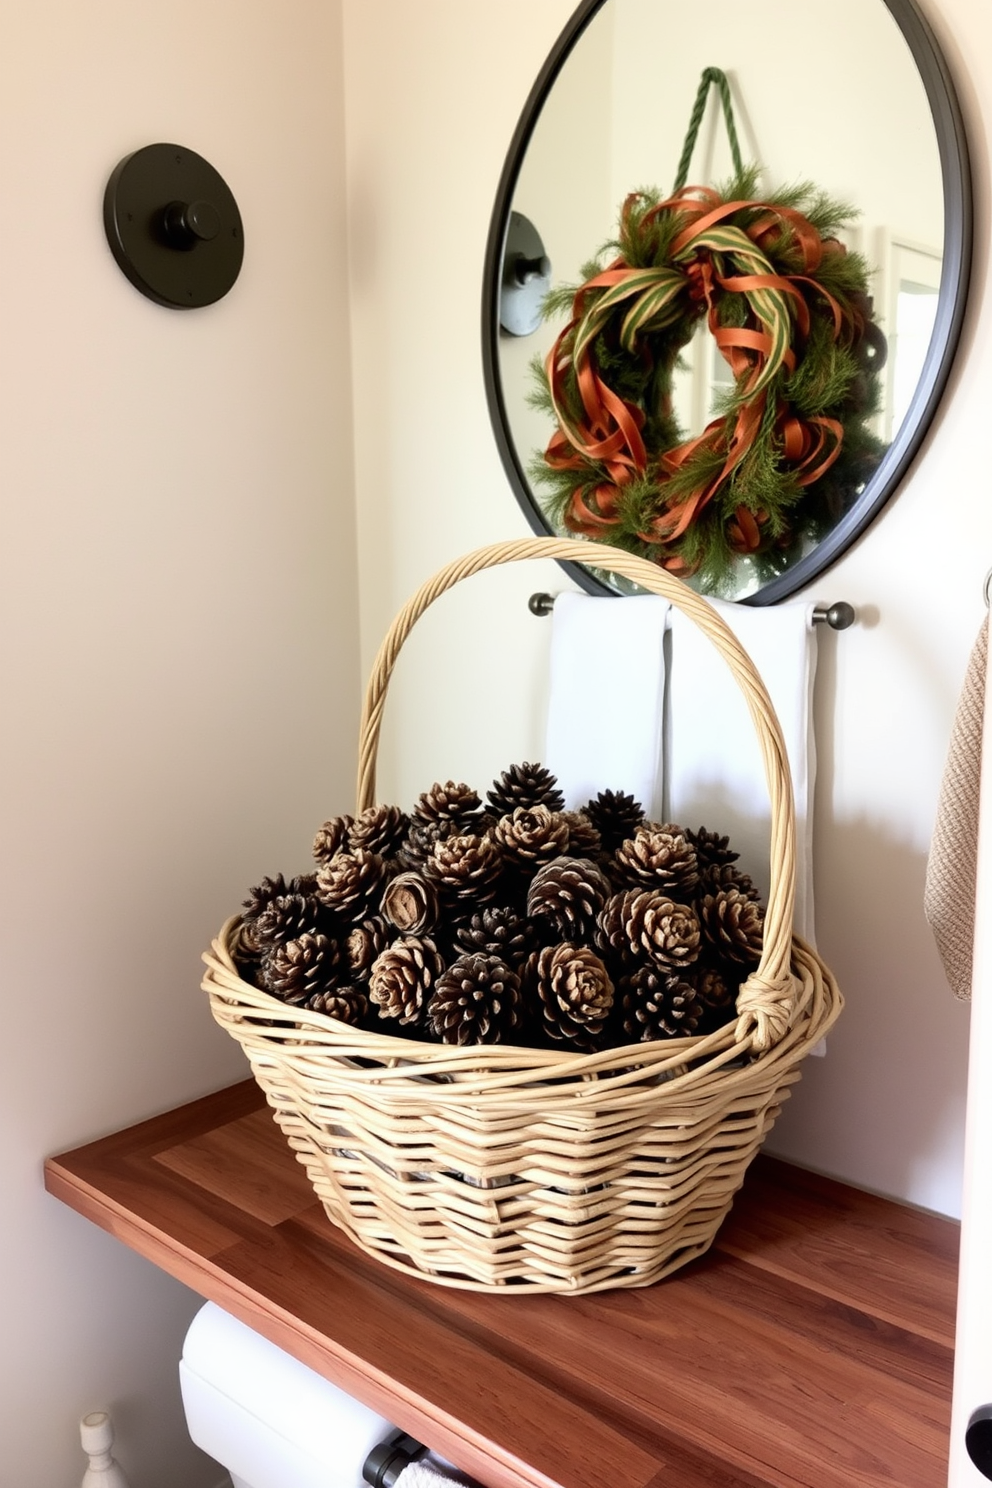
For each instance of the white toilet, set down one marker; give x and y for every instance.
(267, 1418)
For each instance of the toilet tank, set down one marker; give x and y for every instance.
(270, 1420)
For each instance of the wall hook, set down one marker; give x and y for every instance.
(526, 277)
(173, 226)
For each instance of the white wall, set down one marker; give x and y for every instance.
(178, 623)
(429, 119)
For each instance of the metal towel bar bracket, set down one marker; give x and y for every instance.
(838, 616)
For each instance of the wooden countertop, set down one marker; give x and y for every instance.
(811, 1348)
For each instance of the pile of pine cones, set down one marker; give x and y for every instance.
(509, 921)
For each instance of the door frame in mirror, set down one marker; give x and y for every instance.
(953, 154)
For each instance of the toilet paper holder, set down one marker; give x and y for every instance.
(386, 1461)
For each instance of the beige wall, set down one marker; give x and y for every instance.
(426, 144)
(178, 632)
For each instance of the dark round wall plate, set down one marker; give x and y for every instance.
(173, 226)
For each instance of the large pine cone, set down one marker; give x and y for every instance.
(410, 904)
(379, 829)
(332, 838)
(530, 836)
(465, 868)
(476, 1001)
(661, 857)
(569, 893)
(364, 943)
(615, 816)
(261, 895)
(351, 883)
(298, 969)
(285, 918)
(403, 977)
(657, 1005)
(451, 802)
(347, 1004)
(641, 923)
(734, 926)
(496, 931)
(712, 850)
(525, 786)
(574, 990)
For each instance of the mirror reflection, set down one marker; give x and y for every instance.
(832, 98)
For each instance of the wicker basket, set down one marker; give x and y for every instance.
(522, 1170)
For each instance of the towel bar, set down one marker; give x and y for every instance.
(838, 616)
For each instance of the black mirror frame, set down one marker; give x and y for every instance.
(952, 147)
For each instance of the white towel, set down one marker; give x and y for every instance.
(432, 1472)
(606, 704)
(715, 774)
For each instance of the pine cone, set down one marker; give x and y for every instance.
(296, 970)
(379, 829)
(285, 918)
(715, 989)
(525, 786)
(347, 1004)
(261, 895)
(530, 836)
(244, 948)
(351, 883)
(658, 1006)
(332, 838)
(421, 838)
(451, 802)
(465, 868)
(583, 839)
(719, 876)
(712, 850)
(659, 856)
(496, 931)
(403, 977)
(476, 1001)
(734, 926)
(410, 903)
(364, 943)
(574, 991)
(641, 923)
(615, 815)
(569, 892)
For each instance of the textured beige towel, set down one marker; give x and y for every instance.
(949, 897)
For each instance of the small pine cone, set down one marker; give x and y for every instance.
(465, 868)
(715, 989)
(261, 895)
(421, 838)
(734, 925)
(496, 931)
(525, 786)
(410, 904)
(364, 943)
(331, 838)
(570, 892)
(574, 992)
(285, 918)
(656, 1005)
(351, 883)
(659, 856)
(347, 1004)
(476, 1001)
(379, 829)
(243, 945)
(298, 969)
(583, 839)
(303, 883)
(530, 836)
(615, 815)
(450, 802)
(641, 923)
(712, 850)
(725, 876)
(403, 977)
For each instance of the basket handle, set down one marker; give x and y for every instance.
(768, 998)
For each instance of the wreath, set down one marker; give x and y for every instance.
(790, 446)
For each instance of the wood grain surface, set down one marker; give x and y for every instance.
(811, 1348)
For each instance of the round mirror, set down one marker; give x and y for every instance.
(848, 112)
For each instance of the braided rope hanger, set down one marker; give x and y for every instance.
(710, 76)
